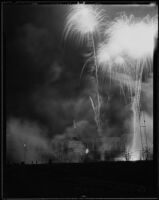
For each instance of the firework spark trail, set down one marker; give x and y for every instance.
(129, 49)
(86, 20)
(137, 113)
(97, 82)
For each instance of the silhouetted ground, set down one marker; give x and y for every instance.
(103, 179)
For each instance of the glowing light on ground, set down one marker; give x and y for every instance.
(135, 156)
(87, 151)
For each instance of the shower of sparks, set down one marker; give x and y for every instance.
(84, 20)
(129, 50)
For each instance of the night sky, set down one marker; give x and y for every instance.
(43, 86)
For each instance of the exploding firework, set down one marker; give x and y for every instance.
(130, 41)
(129, 50)
(133, 36)
(83, 20)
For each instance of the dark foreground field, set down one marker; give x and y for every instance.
(105, 179)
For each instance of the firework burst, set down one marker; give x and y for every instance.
(132, 36)
(129, 46)
(128, 39)
(83, 20)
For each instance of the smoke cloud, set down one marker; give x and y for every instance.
(26, 141)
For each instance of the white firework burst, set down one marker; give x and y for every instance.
(83, 20)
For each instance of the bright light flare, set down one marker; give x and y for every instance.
(135, 156)
(129, 37)
(84, 20)
(87, 151)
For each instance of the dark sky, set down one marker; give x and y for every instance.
(34, 45)
(43, 70)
